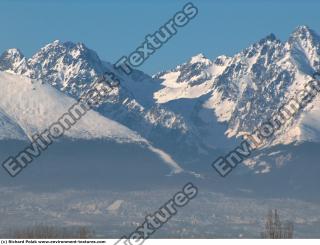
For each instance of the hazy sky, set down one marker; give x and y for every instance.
(116, 28)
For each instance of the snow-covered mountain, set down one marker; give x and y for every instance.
(72, 68)
(244, 90)
(34, 106)
(196, 109)
(29, 107)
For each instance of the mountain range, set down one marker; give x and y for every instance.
(185, 117)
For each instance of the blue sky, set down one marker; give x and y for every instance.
(116, 28)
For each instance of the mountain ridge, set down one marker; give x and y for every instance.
(200, 107)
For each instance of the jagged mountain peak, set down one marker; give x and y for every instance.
(269, 38)
(13, 52)
(10, 59)
(199, 58)
(304, 46)
(303, 30)
(268, 41)
(66, 44)
(194, 71)
(266, 45)
(75, 51)
(303, 34)
(65, 65)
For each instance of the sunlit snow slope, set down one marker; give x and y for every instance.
(30, 106)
